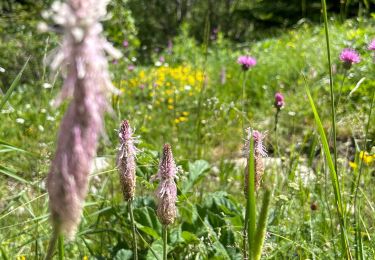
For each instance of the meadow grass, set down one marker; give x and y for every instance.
(211, 207)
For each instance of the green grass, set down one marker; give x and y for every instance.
(210, 187)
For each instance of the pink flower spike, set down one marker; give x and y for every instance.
(349, 57)
(247, 62)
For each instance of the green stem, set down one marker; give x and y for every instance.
(130, 207)
(51, 245)
(277, 119)
(333, 114)
(61, 247)
(243, 98)
(340, 91)
(165, 242)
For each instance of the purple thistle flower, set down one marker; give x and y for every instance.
(131, 67)
(371, 46)
(125, 43)
(167, 190)
(126, 161)
(259, 153)
(247, 62)
(87, 81)
(279, 100)
(349, 57)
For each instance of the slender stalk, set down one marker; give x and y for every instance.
(244, 98)
(277, 119)
(130, 208)
(61, 247)
(165, 242)
(51, 245)
(333, 114)
(340, 91)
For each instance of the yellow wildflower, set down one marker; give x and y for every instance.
(170, 107)
(367, 159)
(183, 119)
(185, 113)
(353, 165)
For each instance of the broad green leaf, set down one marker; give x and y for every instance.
(157, 248)
(197, 171)
(124, 254)
(189, 237)
(148, 231)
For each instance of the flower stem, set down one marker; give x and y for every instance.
(340, 91)
(165, 241)
(130, 208)
(51, 245)
(243, 98)
(61, 247)
(333, 114)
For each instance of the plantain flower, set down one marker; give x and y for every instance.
(167, 191)
(259, 153)
(126, 161)
(86, 83)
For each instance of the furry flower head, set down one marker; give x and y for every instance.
(259, 153)
(86, 83)
(167, 190)
(126, 162)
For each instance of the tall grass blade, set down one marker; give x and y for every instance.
(262, 225)
(13, 85)
(12, 174)
(3, 254)
(250, 205)
(334, 178)
(333, 113)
